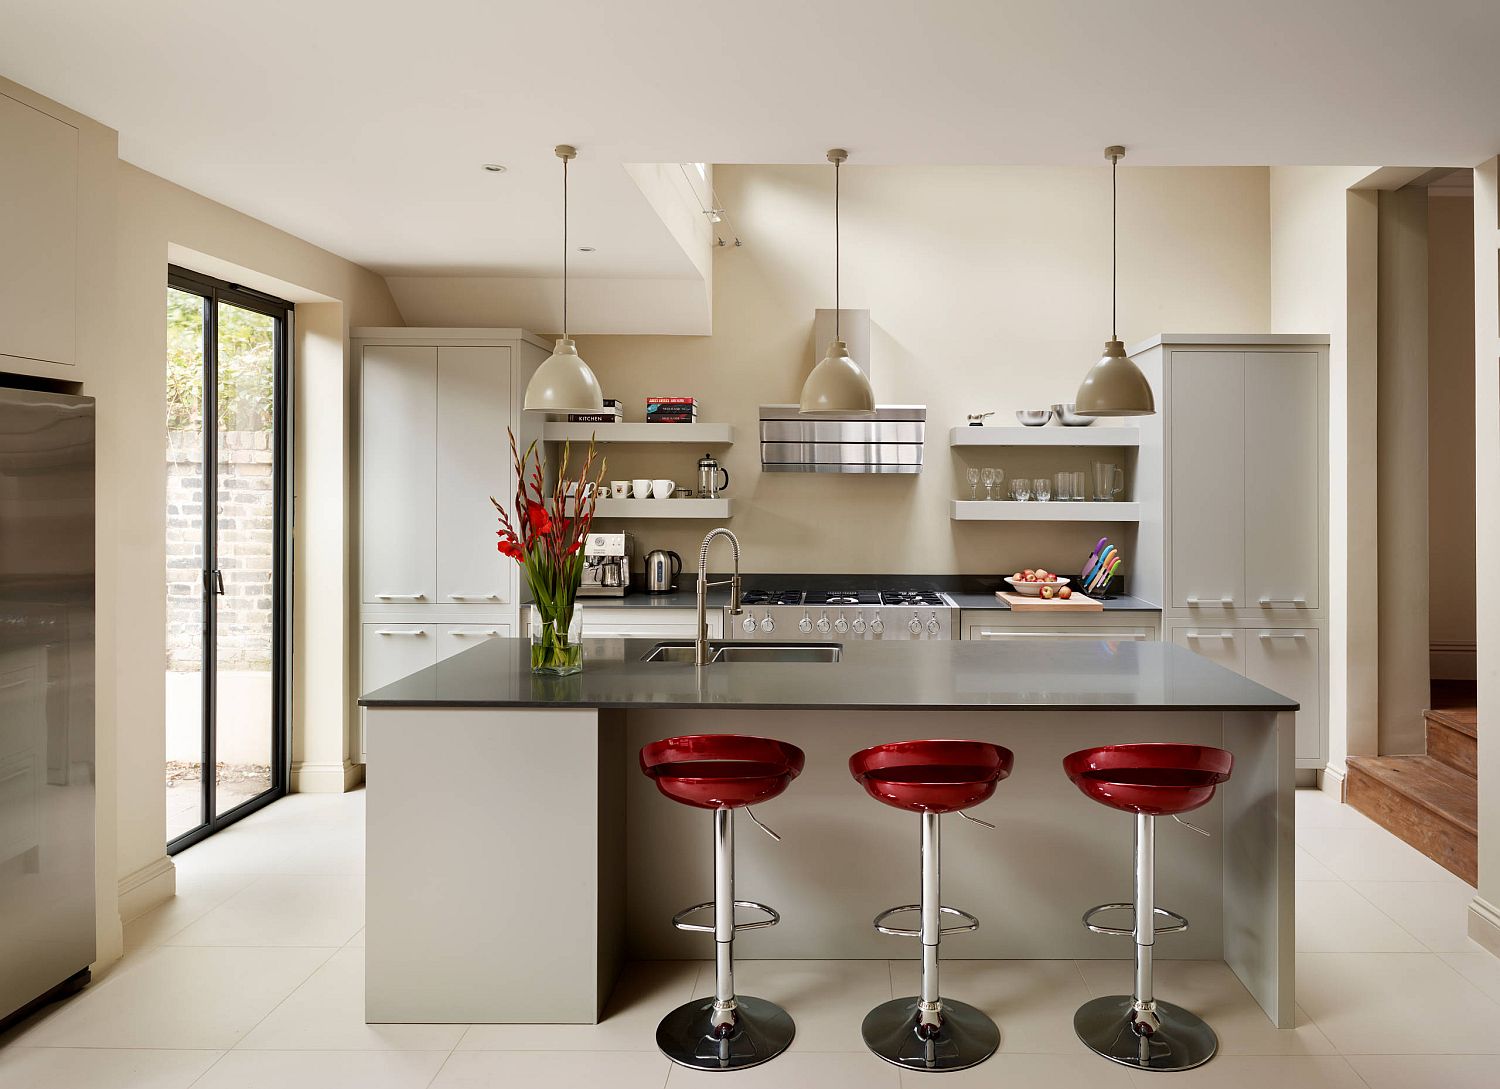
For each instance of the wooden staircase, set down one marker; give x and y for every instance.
(1431, 801)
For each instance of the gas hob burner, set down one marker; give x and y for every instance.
(925, 598)
(771, 597)
(842, 597)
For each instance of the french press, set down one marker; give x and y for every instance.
(708, 477)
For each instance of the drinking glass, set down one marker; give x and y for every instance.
(991, 477)
(1041, 487)
(1078, 487)
(1109, 481)
(1062, 488)
(973, 475)
(1020, 490)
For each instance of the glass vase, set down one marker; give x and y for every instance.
(557, 640)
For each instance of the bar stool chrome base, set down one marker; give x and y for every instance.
(1182, 1041)
(966, 1037)
(761, 1031)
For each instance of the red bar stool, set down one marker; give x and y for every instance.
(927, 1031)
(723, 772)
(1150, 781)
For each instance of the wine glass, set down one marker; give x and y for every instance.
(1041, 487)
(973, 475)
(991, 477)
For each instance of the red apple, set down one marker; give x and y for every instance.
(1048, 591)
(1065, 592)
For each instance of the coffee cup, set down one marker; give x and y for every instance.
(620, 489)
(662, 489)
(641, 489)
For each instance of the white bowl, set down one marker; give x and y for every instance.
(1034, 589)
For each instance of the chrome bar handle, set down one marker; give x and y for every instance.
(392, 631)
(974, 820)
(1283, 635)
(474, 597)
(402, 597)
(1210, 635)
(1226, 600)
(1299, 601)
(751, 814)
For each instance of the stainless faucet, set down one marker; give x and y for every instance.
(700, 651)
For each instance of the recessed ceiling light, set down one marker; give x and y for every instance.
(495, 168)
(585, 249)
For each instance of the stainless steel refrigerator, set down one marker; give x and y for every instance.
(46, 694)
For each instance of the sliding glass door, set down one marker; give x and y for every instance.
(227, 563)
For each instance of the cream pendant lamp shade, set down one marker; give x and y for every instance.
(837, 387)
(1114, 386)
(564, 383)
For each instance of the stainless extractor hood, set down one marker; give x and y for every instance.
(888, 442)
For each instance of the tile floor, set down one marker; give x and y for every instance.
(252, 977)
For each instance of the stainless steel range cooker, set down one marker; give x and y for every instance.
(801, 614)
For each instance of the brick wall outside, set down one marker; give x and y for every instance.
(246, 544)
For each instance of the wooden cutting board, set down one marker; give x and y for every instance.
(1075, 604)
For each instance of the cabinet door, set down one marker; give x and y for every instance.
(623, 622)
(1224, 646)
(1208, 479)
(1289, 661)
(457, 638)
(1283, 481)
(389, 652)
(398, 469)
(473, 463)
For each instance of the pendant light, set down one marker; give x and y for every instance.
(837, 387)
(1114, 386)
(564, 383)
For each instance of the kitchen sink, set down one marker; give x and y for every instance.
(720, 651)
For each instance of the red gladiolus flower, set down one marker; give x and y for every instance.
(574, 547)
(509, 547)
(537, 518)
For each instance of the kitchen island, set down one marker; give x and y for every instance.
(516, 855)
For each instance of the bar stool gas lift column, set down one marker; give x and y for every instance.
(927, 1031)
(1150, 780)
(723, 772)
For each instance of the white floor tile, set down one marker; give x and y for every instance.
(647, 991)
(804, 1070)
(358, 941)
(100, 1068)
(1436, 913)
(1317, 809)
(1480, 968)
(282, 910)
(554, 1070)
(197, 895)
(298, 834)
(327, 1013)
(827, 999)
(178, 998)
(1427, 1071)
(1214, 993)
(324, 1070)
(1082, 1071)
(1033, 1001)
(1396, 1004)
(1308, 868)
(1334, 918)
(1370, 854)
(1260, 1071)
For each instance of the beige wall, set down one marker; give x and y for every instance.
(1450, 351)
(988, 290)
(1324, 279)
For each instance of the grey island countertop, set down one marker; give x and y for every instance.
(946, 675)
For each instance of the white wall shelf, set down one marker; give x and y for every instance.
(719, 434)
(664, 508)
(1008, 510)
(1093, 435)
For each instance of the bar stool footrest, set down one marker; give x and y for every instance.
(1179, 922)
(971, 923)
(773, 917)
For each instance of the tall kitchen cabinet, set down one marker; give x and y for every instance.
(433, 409)
(1233, 473)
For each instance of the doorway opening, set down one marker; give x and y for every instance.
(227, 444)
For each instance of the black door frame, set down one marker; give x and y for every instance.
(213, 291)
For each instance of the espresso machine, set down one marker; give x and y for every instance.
(607, 558)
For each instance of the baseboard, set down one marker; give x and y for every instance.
(1453, 661)
(1484, 924)
(327, 778)
(148, 887)
(1331, 781)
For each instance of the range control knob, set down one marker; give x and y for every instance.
(805, 624)
(748, 624)
(841, 625)
(915, 625)
(877, 626)
(767, 625)
(823, 625)
(859, 624)
(933, 627)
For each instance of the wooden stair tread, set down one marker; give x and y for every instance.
(1463, 719)
(1428, 783)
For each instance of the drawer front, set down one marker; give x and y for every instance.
(1225, 646)
(456, 638)
(1290, 661)
(1058, 633)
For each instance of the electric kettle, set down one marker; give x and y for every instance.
(662, 569)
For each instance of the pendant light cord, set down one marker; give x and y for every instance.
(837, 303)
(1114, 247)
(565, 250)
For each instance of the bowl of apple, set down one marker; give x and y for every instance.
(1039, 583)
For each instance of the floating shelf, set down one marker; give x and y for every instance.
(1008, 510)
(1092, 435)
(713, 434)
(664, 508)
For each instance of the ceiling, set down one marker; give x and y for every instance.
(362, 127)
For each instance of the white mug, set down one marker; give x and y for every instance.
(662, 489)
(620, 489)
(641, 489)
